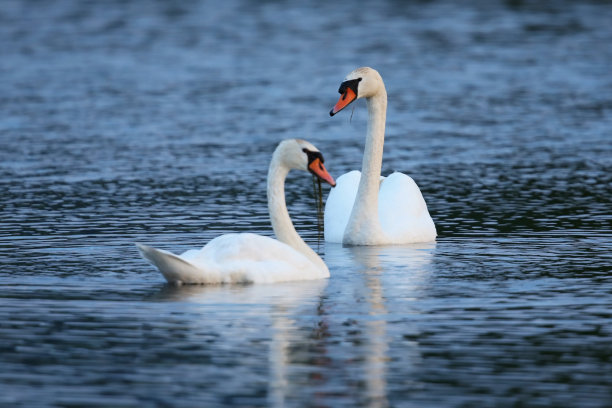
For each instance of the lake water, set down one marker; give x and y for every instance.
(154, 122)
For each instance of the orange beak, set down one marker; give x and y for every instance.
(345, 99)
(318, 169)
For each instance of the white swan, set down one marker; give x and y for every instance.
(245, 257)
(374, 210)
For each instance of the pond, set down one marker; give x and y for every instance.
(154, 122)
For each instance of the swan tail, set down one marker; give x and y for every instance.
(175, 269)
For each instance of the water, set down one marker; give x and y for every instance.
(154, 122)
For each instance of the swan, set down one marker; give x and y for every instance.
(252, 258)
(365, 208)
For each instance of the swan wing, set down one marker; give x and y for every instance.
(174, 268)
(339, 205)
(235, 258)
(402, 211)
(250, 257)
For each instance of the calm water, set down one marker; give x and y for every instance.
(155, 121)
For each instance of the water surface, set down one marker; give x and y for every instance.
(155, 121)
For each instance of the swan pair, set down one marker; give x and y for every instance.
(363, 209)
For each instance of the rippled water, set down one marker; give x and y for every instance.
(155, 122)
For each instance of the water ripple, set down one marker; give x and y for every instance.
(155, 121)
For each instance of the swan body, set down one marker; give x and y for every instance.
(235, 258)
(365, 208)
(398, 194)
(252, 258)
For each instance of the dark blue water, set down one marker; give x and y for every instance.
(155, 121)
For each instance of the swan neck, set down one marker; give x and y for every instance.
(279, 215)
(364, 226)
(375, 140)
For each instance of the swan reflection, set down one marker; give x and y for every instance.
(304, 327)
(283, 295)
(281, 302)
(385, 269)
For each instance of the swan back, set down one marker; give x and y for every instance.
(339, 205)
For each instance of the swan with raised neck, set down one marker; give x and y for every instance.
(364, 226)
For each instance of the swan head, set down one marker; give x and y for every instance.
(300, 155)
(362, 82)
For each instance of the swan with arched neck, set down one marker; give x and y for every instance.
(252, 258)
